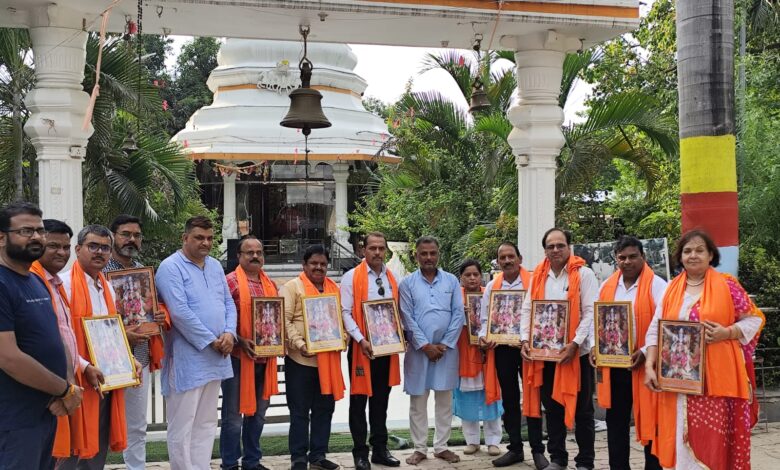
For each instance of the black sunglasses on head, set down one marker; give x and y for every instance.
(381, 290)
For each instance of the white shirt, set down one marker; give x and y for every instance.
(348, 297)
(517, 284)
(557, 288)
(622, 294)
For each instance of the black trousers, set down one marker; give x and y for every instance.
(584, 430)
(619, 423)
(509, 367)
(377, 408)
(310, 413)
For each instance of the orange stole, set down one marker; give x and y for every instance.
(87, 427)
(247, 402)
(470, 363)
(724, 359)
(156, 349)
(328, 363)
(645, 400)
(566, 383)
(361, 384)
(492, 387)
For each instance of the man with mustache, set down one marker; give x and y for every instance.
(91, 295)
(432, 309)
(33, 361)
(197, 348)
(128, 235)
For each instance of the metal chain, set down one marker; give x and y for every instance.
(139, 52)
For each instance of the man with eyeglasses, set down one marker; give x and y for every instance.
(91, 295)
(34, 385)
(248, 392)
(147, 349)
(564, 387)
(371, 378)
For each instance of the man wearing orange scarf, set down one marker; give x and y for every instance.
(370, 378)
(565, 387)
(618, 389)
(313, 381)
(90, 295)
(254, 378)
(506, 362)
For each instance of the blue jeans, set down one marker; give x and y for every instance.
(237, 429)
(307, 406)
(29, 447)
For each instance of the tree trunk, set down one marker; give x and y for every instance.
(18, 142)
(708, 177)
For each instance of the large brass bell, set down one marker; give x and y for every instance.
(479, 99)
(305, 108)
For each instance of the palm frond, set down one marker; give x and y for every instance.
(573, 65)
(439, 111)
(456, 64)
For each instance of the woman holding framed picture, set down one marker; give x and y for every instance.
(711, 430)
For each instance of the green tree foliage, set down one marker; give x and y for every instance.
(189, 91)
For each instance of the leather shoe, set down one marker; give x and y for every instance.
(555, 466)
(540, 461)
(361, 463)
(384, 457)
(511, 457)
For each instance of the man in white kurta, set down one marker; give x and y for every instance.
(432, 310)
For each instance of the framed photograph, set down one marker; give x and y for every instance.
(504, 316)
(136, 298)
(268, 314)
(110, 352)
(549, 329)
(324, 328)
(383, 327)
(681, 356)
(473, 311)
(614, 334)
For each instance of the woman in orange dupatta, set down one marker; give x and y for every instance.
(468, 400)
(710, 431)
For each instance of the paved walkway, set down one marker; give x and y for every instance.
(766, 456)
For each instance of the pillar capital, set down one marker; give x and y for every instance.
(549, 40)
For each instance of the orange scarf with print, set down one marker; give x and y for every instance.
(361, 384)
(492, 387)
(247, 402)
(470, 363)
(725, 372)
(87, 428)
(566, 383)
(645, 400)
(328, 363)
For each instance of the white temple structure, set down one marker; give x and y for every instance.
(267, 190)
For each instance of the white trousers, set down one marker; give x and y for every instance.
(418, 420)
(136, 403)
(492, 432)
(192, 426)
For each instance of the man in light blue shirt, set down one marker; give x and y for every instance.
(432, 310)
(203, 318)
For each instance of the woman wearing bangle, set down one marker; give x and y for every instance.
(711, 430)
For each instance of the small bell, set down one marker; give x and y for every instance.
(479, 99)
(129, 145)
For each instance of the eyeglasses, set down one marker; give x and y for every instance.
(28, 232)
(136, 235)
(252, 254)
(97, 248)
(558, 246)
(381, 290)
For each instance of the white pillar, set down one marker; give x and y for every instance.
(537, 138)
(340, 176)
(57, 106)
(229, 222)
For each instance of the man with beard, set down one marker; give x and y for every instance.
(127, 245)
(33, 361)
(91, 295)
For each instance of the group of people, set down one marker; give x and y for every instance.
(54, 411)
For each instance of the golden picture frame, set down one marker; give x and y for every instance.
(503, 319)
(614, 332)
(549, 329)
(136, 298)
(473, 309)
(110, 352)
(681, 356)
(322, 323)
(383, 327)
(268, 326)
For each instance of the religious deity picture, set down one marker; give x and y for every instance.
(110, 352)
(614, 334)
(324, 329)
(136, 298)
(504, 316)
(383, 326)
(473, 310)
(549, 329)
(681, 356)
(268, 313)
